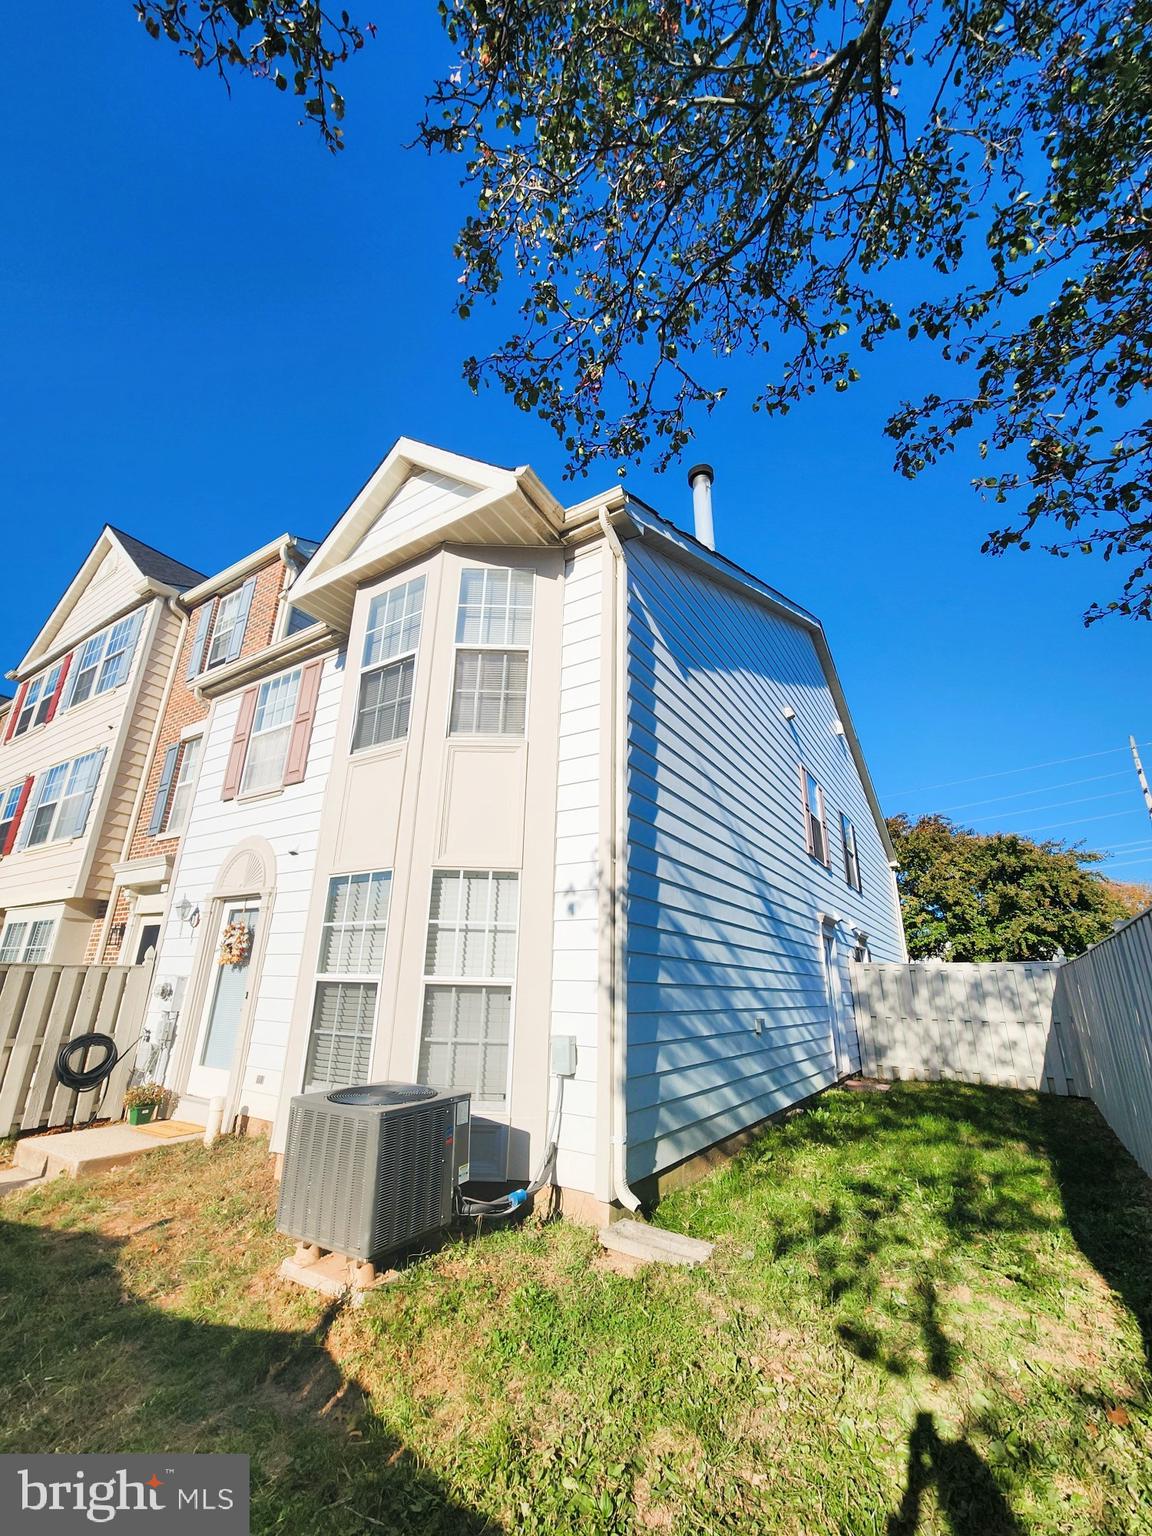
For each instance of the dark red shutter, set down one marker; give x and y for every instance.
(54, 701)
(14, 713)
(14, 827)
(239, 749)
(296, 762)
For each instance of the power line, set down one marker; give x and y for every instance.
(1001, 773)
(1056, 805)
(1080, 820)
(1022, 794)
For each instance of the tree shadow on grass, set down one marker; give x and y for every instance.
(87, 1367)
(965, 1488)
(1107, 1201)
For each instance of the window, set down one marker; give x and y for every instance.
(9, 805)
(231, 615)
(26, 943)
(493, 629)
(271, 730)
(102, 662)
(61, 801)
(389, 665)
(851, 854)
(347, 980)
(183, 786)
(815, 827)
(470, 965)
(37, 700)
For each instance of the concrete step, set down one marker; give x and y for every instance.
(74, 1153)
(653, 1245)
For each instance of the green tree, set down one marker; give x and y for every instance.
(967, 896)
(665, 182)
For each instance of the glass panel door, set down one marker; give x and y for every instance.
(227, 990)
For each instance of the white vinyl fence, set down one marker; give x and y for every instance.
(41, 1007)
(1083, 1027)
(963, 1023)
(1103, 1015)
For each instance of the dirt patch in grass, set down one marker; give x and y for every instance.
(923, 1309)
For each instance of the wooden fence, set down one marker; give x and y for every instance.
(1102, 1013)
(41, 1007)
(964, 1023)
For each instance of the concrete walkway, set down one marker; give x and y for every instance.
(88, 1151)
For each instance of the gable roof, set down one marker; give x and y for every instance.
(143, 571)
(418, 498)
(680, 545)
(156, 565)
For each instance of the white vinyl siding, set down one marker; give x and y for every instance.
(577, 900)
(289, 823)
(347, 980)
(60, 801)
(104, 660)
(493, 632)
(724, 900)
(271, 730)
(472, 926)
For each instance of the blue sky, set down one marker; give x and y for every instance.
(213, 330)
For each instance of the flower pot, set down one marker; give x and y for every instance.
(141, 1114)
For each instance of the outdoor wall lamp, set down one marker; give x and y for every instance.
(187, 912)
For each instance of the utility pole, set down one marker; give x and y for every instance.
(1140, 775)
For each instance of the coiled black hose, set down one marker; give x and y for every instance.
(85, 1079)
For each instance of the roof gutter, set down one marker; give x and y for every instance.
(618, 1054)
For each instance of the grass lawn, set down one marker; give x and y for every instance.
(929, 1311)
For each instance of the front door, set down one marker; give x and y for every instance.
(228, 986)
(832, 991)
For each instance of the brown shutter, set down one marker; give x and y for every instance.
(14, 712)
(296, 762)
(54, 701)
(10, 840)
(239, 748)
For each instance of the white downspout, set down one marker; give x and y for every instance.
(619, 780)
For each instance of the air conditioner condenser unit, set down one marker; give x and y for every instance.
(373, 1168)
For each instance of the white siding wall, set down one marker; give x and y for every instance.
(290, 821)
(115, 585)
(575, 985)
(425, 494)
(724, 902)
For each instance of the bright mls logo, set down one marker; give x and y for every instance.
(50, 1494)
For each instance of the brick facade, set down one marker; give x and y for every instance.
(183, 709)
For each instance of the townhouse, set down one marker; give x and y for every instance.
(555, 804)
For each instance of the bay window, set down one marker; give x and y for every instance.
(469, 970)
(493, 631)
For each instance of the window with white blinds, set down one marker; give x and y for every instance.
(493, 632)
(470, 967)
(102, 662)
(61, 800)
(389, 665)
(271, 730)
(26, 943)
(183, 786)
(347, 980)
